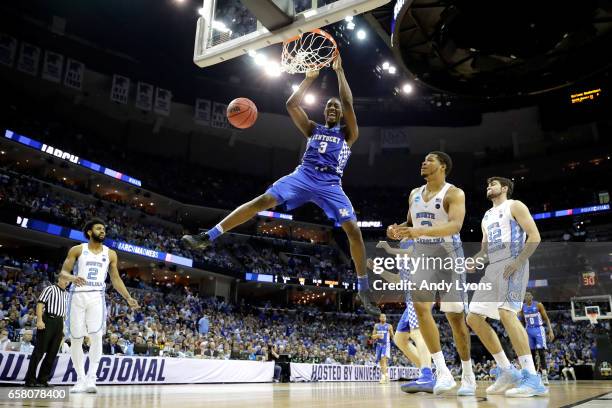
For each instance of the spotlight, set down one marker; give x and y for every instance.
(294, 87)
(348, 19)
(273, 69)
(385, 65)
(361, 35)
(392, 70)
(309, 99)
(252, 53)
(350, 26)
(260, 59)
(407, 88)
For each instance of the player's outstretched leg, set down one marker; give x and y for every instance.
(358, 254)
(239, 216)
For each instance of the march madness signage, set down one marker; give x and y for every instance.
(337, 372)
(143, 370)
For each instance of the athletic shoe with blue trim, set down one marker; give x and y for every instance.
(506, 379)
(530, 386)
(425, 383)
(444, 382)
(468, 386)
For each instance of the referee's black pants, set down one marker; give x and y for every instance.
(47, 341)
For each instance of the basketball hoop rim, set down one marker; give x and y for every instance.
(322, 33)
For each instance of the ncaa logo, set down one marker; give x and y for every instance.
(417, 199)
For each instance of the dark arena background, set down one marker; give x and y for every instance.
(116, 110)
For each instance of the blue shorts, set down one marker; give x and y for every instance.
(409, 320)
(382, 350)
(537, 338)
(309, 185)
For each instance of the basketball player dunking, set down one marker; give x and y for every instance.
(504, 228)
(534, 315)
(87, 266)
(382, 333)
(317, 179)
(435, 217)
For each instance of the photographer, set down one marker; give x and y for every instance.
(273, 356)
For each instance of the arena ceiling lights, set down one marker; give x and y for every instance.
(499, 48)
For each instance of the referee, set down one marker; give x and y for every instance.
(50, 332)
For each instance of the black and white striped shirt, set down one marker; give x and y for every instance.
(55, 300)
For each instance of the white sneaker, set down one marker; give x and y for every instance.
(468, 386)
(506, 379)
(78, 388)
(387, 379)
(444, 382)
(545, 378)
(530, 386)
(90, 386)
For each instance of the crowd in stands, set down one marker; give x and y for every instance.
(175, 322)
(31, 197)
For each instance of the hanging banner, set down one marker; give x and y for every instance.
(8, 50)
(202, 112)
(52, 66)
(395, 138)
(219, 116)
(163, 99)
(75, 72)
(29, 59)
(120, 90)
(144, 96)
(130, 370)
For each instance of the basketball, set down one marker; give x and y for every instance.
(242, 113)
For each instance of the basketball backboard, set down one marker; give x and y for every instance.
(582, 306)
(228, 29)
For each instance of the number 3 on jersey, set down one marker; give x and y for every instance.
(322, 147)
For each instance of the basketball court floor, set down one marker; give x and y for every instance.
(589, 394)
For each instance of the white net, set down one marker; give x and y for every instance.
(308, 52)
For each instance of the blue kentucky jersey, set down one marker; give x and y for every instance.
(327, 150)
(384, 330)
(533, 318)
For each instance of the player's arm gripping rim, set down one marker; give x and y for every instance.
(521, 214)
(117, 282)
(550, 335)
(297, 113)
(68, 266)
(346, 98)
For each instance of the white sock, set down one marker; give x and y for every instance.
(527, 363)
(78, 357)
(502, 360)
(95, 353)
(466, 368)
(438, 359)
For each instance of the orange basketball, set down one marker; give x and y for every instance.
(242, 113)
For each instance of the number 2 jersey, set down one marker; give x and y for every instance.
(93, 268)
(505, 237)
(425, 214)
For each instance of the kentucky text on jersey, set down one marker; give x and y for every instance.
(327, 150)
(533, 318)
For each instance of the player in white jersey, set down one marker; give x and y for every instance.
(87, 266)
(435, 217)
(504, 228)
